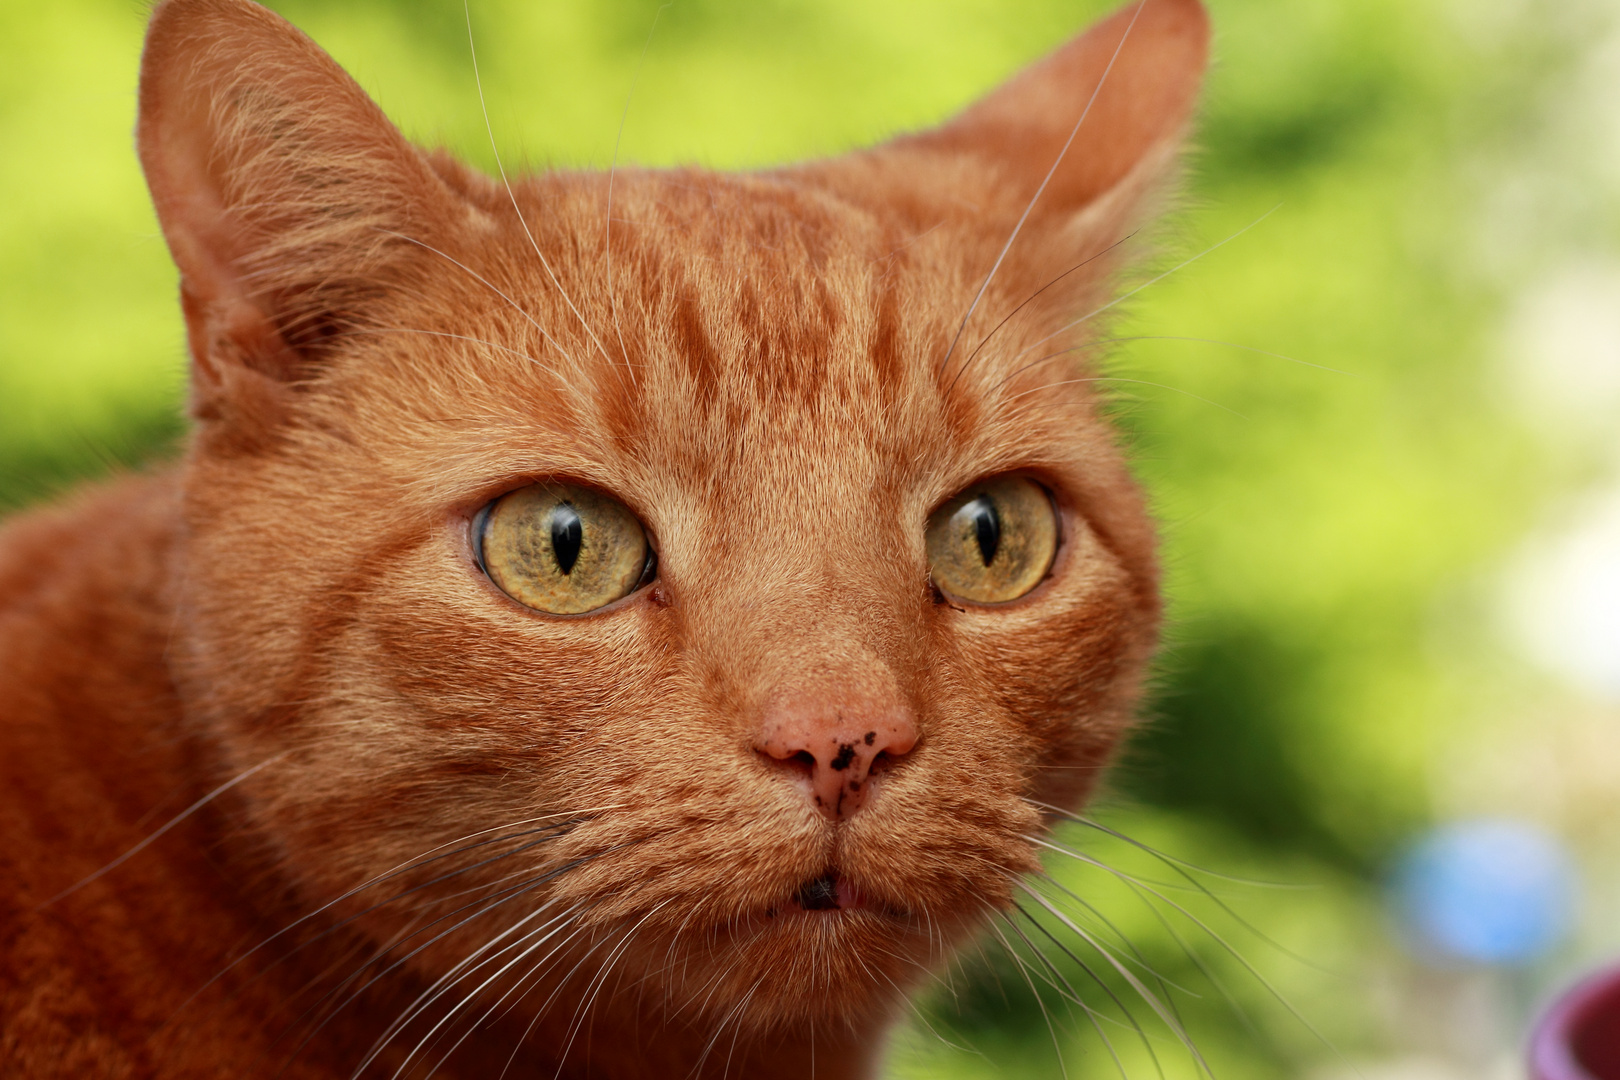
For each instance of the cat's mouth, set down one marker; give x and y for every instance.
(831, 892)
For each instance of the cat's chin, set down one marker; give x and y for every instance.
(827, 955)
(830, 955)
(791, 967)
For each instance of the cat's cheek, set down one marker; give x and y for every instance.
(1063, 665)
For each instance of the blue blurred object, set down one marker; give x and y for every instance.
(1487, 891)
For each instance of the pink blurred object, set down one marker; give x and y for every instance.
(1579, 1037)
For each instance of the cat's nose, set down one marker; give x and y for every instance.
(836, 749)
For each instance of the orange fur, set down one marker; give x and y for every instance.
(764, 371)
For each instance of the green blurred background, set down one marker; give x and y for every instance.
(1354, 526)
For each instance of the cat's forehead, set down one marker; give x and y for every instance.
(759, 275)
(693, 312)
(721, 340)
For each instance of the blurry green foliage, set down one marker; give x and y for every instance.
(1252, 974)
(1310, 515)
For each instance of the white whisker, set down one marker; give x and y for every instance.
(511, 195)
(1151, 999)
(1047, 179)
(171, 823)
(476, 276)
(1040, 1002)
(460, 971)
(613, 167)
(1120, 299)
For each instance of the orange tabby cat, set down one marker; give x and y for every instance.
(631, 642)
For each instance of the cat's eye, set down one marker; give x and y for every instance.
(563, 549)
(993, 542)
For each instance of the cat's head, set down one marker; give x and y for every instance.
(740, 561)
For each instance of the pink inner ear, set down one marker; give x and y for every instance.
(1134, 76)
(190, 205)
(206, 244)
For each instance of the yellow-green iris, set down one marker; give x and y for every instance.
(563, 549)
(994, 542)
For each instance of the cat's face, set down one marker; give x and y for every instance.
(764, 379)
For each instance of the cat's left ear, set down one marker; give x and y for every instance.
(289, 202)
(1092, 125)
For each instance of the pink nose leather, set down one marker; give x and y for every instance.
(836, 749)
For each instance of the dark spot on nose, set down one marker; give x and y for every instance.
(870, 737)
(846, 754)
(820, 894)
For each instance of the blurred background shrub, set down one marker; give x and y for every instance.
(1379, 415)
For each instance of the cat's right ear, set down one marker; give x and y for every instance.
(288, 200)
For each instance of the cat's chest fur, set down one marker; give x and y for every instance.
(630, 627)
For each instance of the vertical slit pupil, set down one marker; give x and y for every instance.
(986, 527)
(567, 536)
